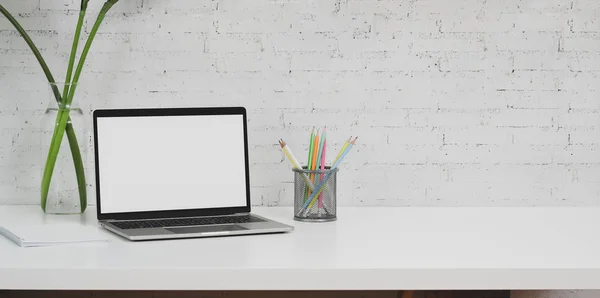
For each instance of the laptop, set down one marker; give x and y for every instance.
(175, 173)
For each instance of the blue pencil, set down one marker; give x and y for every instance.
(321, 186)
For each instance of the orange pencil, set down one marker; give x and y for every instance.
(314, 160)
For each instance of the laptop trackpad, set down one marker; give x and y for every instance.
(206, 229)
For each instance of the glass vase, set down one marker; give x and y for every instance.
(63, 195)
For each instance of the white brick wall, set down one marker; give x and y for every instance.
(463, 102)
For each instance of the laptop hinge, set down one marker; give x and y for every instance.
(154, 218)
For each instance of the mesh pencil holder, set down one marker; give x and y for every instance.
(315, 195)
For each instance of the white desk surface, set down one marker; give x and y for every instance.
(367, 248)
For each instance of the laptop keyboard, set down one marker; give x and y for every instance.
(188, 221)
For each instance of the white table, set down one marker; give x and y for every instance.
(366, 249)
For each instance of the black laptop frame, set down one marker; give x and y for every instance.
(101, 113)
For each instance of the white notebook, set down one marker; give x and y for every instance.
(51, 234)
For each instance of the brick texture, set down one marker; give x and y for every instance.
(466, 102)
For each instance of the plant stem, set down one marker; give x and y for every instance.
(76, 154)
(107, 6)
(63, 112)
(35, 51)
(73, 53)
(79, 172)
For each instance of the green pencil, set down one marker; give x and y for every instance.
(310, 158)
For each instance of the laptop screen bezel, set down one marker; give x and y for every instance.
(153, 112)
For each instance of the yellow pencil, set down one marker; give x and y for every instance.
(295, 163)
(290, 155)
(343, 149)
(313, 164)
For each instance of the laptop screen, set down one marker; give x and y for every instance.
(159, 163)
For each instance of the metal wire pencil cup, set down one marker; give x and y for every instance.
(322, 207)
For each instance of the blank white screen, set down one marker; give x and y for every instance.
(171, 162)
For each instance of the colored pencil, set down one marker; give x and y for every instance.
(320, 146)
(319, 162)
(322, 168)
(319, 188)
(315, 149)
(289, 154)
(310, 149)
(309, 162)
(295, 163)
(343, 149)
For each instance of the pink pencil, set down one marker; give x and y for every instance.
(322, 168)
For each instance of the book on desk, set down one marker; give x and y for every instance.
(32, 235)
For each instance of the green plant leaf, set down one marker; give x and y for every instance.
(73, 145)
(63, 112)
(79, 171)
(76, 154)
(35, 51)
(73, 52)
(88, 44)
